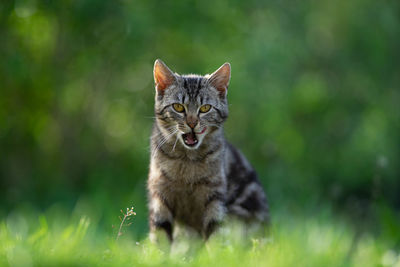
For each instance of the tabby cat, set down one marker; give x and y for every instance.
(196, 177)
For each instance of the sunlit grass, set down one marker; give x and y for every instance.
(317, 241)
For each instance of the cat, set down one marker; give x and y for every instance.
(196, 178)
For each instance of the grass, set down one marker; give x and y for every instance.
(319, 240)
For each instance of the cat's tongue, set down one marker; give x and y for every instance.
(190, 139)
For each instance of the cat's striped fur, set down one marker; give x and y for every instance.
(197, 184)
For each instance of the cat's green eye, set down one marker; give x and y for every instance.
(205, 108)
(178, 107)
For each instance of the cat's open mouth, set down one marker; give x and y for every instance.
(190, 139)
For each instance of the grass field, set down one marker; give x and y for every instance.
(313, 105)
(311, 240)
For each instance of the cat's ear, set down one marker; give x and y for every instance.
(163, 76)
(220, 79)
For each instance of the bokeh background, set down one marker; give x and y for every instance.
(314, 102)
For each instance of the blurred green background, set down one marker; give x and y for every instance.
(314, 101)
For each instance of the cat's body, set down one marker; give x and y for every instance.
(196, 177)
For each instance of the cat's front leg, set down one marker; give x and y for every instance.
(214, 213)
(160, 220)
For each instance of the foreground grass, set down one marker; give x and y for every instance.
(317, 241)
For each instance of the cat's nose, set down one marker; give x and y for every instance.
(192, 122)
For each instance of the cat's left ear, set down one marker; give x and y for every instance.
(163, 76)
(220, 79)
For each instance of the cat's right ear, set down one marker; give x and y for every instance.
(163, 76)
(220, 79)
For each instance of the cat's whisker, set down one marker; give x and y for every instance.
(161, 144)
(160, 133)
(173, 149)
(149, 117)
(163, 141)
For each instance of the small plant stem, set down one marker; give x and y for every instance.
(120, 227)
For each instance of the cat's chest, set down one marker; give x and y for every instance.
(190, 170)
(189, 180)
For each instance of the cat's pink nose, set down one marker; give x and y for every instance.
(192, 123)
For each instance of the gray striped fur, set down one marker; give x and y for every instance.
(197, 186)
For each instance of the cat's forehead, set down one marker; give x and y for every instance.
(194, 88)
(192, 85)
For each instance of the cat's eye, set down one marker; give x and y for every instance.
(205, 108)
(178, 107)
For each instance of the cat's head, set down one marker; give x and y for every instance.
(190, 107)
